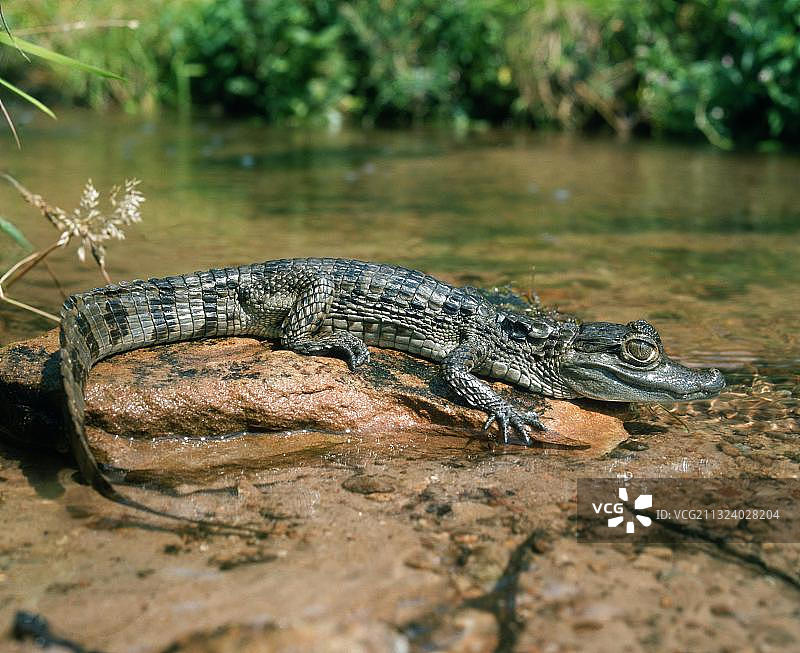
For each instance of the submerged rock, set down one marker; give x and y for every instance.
(141, 402)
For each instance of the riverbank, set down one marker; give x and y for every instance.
(725, 71)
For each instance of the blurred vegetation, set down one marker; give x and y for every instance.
(728, 70)
(21, 47)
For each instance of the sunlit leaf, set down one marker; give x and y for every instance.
(27, 97)
(12, 230)
(55, 57)
(8, 31)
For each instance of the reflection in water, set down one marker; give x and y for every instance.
(701, 243)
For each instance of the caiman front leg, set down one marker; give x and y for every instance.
(311, 307)
(457, 370)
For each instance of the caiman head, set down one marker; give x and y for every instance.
(615, 362)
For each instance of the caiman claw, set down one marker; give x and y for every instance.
(342, 345)
(517, 420)
(355, 356)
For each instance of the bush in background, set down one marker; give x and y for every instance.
(730, 68)
(572, 65)
(426, 58)
(727, 69)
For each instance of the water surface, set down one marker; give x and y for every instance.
(702, 243)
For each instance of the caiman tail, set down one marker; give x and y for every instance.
(76, 361)
(127, 316)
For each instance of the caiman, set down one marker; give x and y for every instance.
(338, 307)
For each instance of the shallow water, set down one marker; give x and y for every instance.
(701, 243)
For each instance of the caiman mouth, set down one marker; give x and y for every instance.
(702, 383)
(666, 383)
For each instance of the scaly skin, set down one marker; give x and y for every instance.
(337, 307)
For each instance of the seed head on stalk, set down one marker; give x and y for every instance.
(87, 223)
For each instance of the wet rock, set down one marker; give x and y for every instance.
(30, 392)
(542, 542)
(196, 391)
(595, 615)
(434, 492)
(729, 449)
(425, 559)
(439, 509)
(466, 631)
(248, 556)
(475, 631)
(721, 610)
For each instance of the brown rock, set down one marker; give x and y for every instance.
(144, 408)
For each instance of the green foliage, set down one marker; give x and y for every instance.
(15, 233)
(119, 36)
(21, 47)
(571, 64)
(54, 57)
(28, 98)
(327, 59)
(275, 58)
(296, 60)
(731, 68)
(424, 58)
(726, 69)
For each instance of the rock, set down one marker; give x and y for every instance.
(201, 393)
(30, 392)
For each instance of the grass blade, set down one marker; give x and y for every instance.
(27, 97)
(12, 230)
(10, 124)
(8, 31)
(55, 57)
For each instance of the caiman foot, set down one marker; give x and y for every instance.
(342, 345)
(517, 420)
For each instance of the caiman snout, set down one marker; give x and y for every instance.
(687, 383)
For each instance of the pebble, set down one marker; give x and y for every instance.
(426, 560)
(368, 484)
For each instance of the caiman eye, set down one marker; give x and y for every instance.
(639, 351)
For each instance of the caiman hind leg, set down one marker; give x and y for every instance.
(299, 328)
(457, 370)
